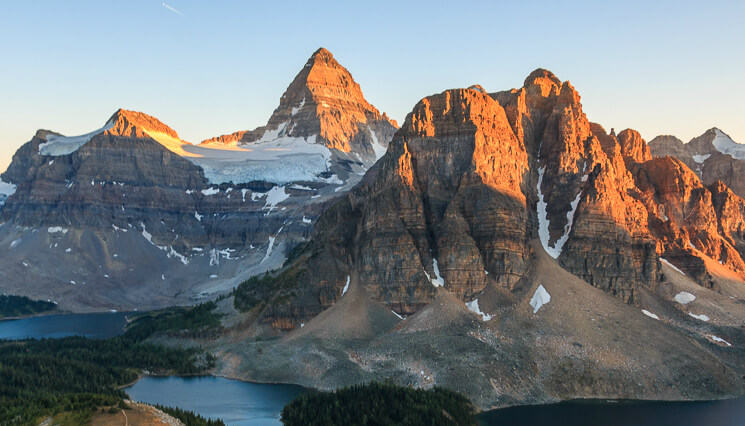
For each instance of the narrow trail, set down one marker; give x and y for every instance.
(126, 419)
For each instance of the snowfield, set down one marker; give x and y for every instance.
(724, 144)
(272, 159)
(64, 145)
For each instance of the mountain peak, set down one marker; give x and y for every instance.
(322, 55)
(324, 104)
(542, 78)
(137, 124)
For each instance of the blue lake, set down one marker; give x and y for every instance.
(621, 413)
(241, 403)
(95, 326)
(233, 401)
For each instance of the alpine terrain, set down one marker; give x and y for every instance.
(497, 244)
(129, 216)
(508, 248)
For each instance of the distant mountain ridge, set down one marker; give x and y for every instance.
(712, 156)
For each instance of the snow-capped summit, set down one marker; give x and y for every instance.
(323, 105)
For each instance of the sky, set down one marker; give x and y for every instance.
(207, 68)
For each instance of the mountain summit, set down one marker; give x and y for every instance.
(324, 104)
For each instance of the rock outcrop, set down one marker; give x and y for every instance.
(713, 156)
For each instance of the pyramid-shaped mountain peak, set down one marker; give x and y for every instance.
(136, 124)
(325, 105)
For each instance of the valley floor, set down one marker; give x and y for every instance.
(583, 343)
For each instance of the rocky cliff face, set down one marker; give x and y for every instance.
(713, 156)
(130, 216)
(471, 179)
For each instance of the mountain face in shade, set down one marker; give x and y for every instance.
(713, 156)
(131, 216)
(325, 104)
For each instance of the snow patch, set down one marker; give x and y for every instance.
(333, 180)
(543, 222)
(719, 340)
(268, 250)
(437, 281)
(703, 318)
(701, 158)
(540, 298)
(170, 252)
(649, 314)
(306, 220)
(684, 298)
(56, 229)
(211, 191)
(275, 196)
(396, 314)
(301, 187)
(64, 145)
(298, 108)
(346, 287)
(198, 216)
(7, 189)
(473, 306)
(377, 147)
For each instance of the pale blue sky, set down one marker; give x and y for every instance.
(672, 67)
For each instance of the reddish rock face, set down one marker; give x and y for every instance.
(470, 179)
(324, 101)
(690, 220)
(633, 146)
(133, 124)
